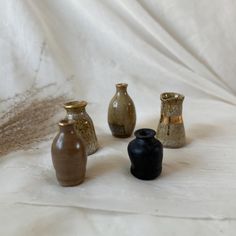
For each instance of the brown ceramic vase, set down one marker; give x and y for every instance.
(68, 155)
(121, 113)
(83, 124)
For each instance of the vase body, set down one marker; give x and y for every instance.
(146, 154)
(83, 124)
(121, 113)
(170, 129)
(68, 155)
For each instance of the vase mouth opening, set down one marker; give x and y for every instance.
(170, 96)
(75, 104)
(66, 122)
(121, 85)
(145, 133)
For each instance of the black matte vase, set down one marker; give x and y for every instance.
(145, 153)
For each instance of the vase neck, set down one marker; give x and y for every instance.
(121, 89)
(171, 104)
(144, 133)
(74, 112)
(66, 126)
(75, 109)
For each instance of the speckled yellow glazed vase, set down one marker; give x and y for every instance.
(121, 113)
(171, 130)
(83, 124)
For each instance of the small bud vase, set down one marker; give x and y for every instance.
(146, 154)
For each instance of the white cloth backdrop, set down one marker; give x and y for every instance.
(85, 47)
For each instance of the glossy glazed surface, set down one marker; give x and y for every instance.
(68, 155)
(121, 113)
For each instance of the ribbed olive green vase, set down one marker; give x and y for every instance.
(171, 130)
(83, 124)
(121, 113)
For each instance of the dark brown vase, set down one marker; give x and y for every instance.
(68, 155)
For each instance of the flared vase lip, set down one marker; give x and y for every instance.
(75, 104)
(66, 122)
(171, 96)
(144, 133)
(121, 85)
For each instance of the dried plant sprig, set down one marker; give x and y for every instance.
(29, 120)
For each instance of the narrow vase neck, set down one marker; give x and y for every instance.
(121, 89)
(75, 109)
(144, 134)
(66, 127)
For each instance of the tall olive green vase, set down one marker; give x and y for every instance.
(121, 113)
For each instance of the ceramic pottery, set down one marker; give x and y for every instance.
(121, 113)
(170, 130)
(145, 153)
(68, 155)
(84, 125)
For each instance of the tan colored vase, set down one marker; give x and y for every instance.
(171, 130)
(84, 125)
(68, 155)
(121, 113)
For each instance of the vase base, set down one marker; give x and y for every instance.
(92, 151)
(70, 183)
(148, 175)
(173, 146)
(122, 136)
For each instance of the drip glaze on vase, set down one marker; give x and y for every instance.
(121, 113)
(170, 129)
(83, 124)
(68, 155)
(146, 154)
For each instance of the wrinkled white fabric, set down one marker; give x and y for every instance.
(87, 46)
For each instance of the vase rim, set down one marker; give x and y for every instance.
(75, 104)
(122, 85)
(145, 133)
(170, 96)
(66, 122)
